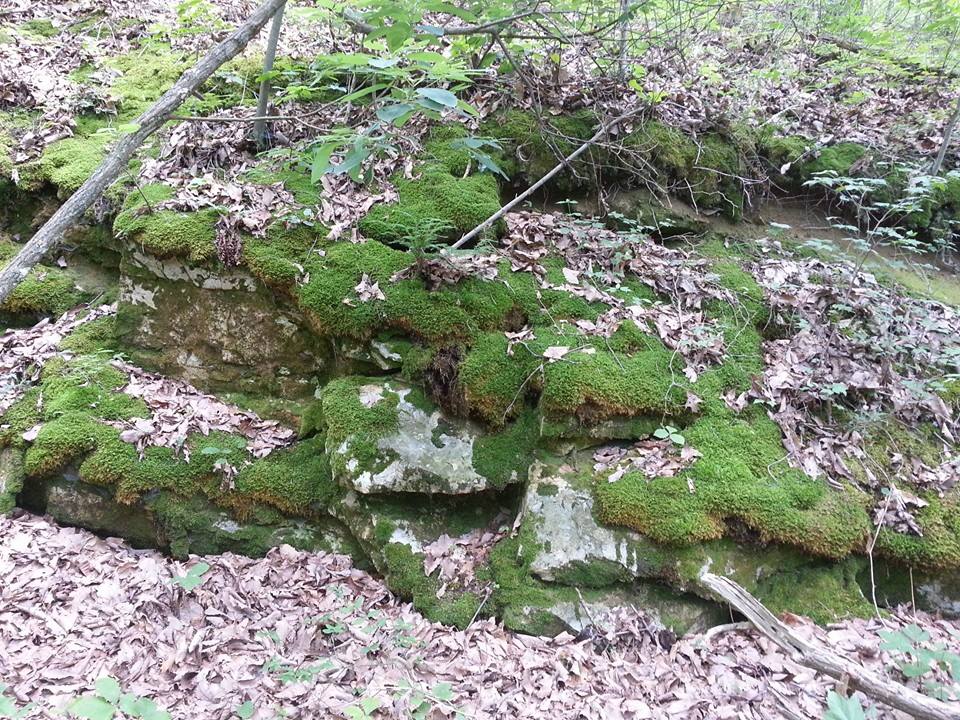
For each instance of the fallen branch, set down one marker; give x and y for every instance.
(825, 661)
(51, 234)
(542, 181)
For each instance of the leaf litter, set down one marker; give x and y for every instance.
(308, 634)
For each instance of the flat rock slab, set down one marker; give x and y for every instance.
(426, 453)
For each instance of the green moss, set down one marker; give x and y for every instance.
(460, 203)
(145, 74)
(938, 548)
(166, 233)
(278, 258)
(45, 290)
(505, 456)
(69, 162)
(404, 571)
(450, 312)
(493, 382)
(669, 150)
(41, 27)
(824, 593)
(838, 158)
(714, 176)
(295, 480)
(97, 336)
(346, 416)
(602, 385)
(532, 146)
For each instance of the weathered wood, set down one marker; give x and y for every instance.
(51, 234)
(822, 660)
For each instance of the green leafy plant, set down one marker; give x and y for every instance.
(193, 578)
(917, 658)
(8, 708)
(669, 432)
(109, 701)
(845, 708)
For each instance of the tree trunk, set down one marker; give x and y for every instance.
(947, 137)
(51, 234)
(829, 663)
(260, 125)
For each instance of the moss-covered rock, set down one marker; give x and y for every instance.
(217, 328)
(384, 436)
(454, 205)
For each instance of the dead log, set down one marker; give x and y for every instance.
(51, 234)
(823, 660)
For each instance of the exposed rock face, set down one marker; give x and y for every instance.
(424, 452)
(73, 502)
(574, 549)
(219, 329)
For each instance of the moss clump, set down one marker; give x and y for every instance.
(45, 291)
(669, 150)
(824, 593)
(450, 312)
(346, 416)
(458, 203)
(532, 146)
(278, 258)
(41, 27)
(69, 162)
(145, 75)
(404, 572)
(505, 456)
(839, 158)
(295, 480)
(166, 233)
(494, 383)
(938, 548)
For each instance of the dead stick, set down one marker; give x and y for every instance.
(51, 234)
(541, 182)
(822, 660)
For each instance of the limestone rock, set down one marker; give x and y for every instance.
(421, 452)
(220, 330)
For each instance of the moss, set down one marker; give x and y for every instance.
(166, 233)
(69, 162)
(665, 148)
(714, 176)
(45, 290)
(450, 312)
(505, 456)
(938, 548)
(824, 593)
(97, 336)
(295, 480)
(41, 27)
(404, 571)
(459, 203)
(145, 74)
(493, 382)
(839, 158)
(532, 146)
(278, 258)
(440, 150)
(602, 385)
(346, 416)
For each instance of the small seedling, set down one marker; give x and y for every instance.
(669, 432)
(193, 578)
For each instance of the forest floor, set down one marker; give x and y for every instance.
(304, 635)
